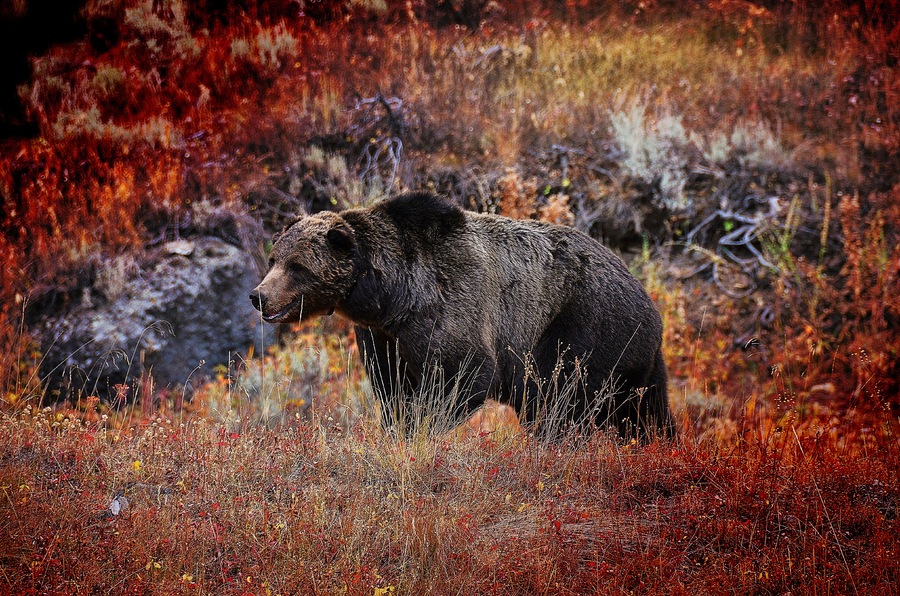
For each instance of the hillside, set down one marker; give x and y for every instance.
(742, 157)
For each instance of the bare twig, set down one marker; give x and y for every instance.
(744, 237)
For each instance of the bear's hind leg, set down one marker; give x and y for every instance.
(654, 419)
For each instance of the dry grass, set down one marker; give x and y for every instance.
(189, 507)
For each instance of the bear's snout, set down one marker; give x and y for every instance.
(258, 300)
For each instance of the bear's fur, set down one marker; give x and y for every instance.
(504, 309)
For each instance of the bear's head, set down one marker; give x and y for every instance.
(310, 270)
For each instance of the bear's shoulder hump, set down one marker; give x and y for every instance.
(424, 211)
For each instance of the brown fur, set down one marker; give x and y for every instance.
(501, 308)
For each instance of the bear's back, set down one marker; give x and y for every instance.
(547, 270)
(525, 257)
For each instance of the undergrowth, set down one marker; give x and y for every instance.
(171, 505)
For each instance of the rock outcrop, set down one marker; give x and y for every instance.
(173, 320)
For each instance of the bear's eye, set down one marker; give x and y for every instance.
(271, 262)
(297, 268)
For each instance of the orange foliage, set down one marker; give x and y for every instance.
(840, 329)
(490, 418)
(516, 197)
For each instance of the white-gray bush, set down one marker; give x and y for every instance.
(655, 151)
(658, 150)
(752, 143)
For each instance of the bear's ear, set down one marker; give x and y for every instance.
(340, 239)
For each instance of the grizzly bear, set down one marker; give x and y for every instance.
(523, 312)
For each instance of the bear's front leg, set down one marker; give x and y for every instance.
(387, 373)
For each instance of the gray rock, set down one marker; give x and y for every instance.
(174, 320)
